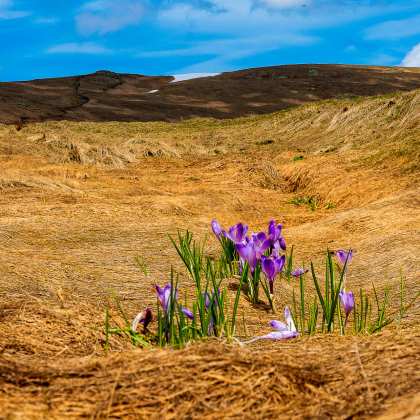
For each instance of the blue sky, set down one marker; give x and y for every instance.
(51, 38)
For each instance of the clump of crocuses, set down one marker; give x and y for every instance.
(165, 297)
(261, 251)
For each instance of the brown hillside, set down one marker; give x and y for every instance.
(78, 200)
(107, 96)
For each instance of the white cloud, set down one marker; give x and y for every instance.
(283, 4)
(10, 14)
(108, 16)
(240, 47)
(395, 29)
(412, 59)
(351, 48)
(242, 17)
(47, 21)
(78, 48)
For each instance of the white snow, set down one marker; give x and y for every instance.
(189, 76)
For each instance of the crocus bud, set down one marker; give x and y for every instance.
(145, 317)
(216, 229)
(347, 302)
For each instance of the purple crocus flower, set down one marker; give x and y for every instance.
(211, 298)
(261, 243)
(274, 233)
(236, 233)
(216, 229)
(165, 299)
(145, 317)
(342, 256)
(271, 266)
(165, 296)
(283, 332)
(298, 272)
(347, 301)
(247, 253)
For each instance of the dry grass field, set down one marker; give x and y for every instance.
(78, 200)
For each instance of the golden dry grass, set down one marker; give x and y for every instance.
(79, 200)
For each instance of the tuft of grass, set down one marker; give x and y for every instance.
(298, 200)
(329, 205)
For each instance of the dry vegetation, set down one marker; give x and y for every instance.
(79, 200)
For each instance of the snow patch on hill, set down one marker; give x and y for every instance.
(189, 76)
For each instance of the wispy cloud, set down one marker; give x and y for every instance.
(5, 13)
(239, 47)
(47, 21)
(105, 16)
(78, 48)
(395, 29)
(283, 4)
(412, 59)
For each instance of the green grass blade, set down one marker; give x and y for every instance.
(141, 264)
(243, 319)
(121, 310)
(238, 293)
(318, 290)
(106, 331)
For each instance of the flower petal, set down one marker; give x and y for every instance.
(148, 318)
(158, 291)
(275, 336)
(272, 228)
(265, 245)
(280, 263)
(278, 325)
(216, 229)
(276, 249)
(137, 320)
(282, 244)
(298, 272)
(187, 313)
(211, 323)
(226, 234)
(261, 236)
(290, 324)
(243, 250)
(268, 267)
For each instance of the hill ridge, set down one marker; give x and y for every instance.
(109, 96)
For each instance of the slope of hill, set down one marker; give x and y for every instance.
(108, 96)
(78, 200)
